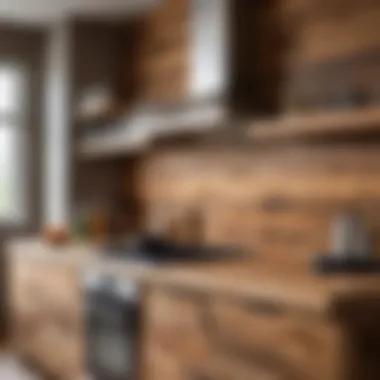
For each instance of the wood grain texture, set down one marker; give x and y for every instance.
(283, 55)
(343, 124)
(333, 53)
(47, 317)
(287, 336)
(234, 341)
(277, 200)
(257, 339)
(164, 47)
(289, 55)
(332, 29)
(257, 61)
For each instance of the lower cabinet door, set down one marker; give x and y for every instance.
(193, 338)
(175, 324)
(276, 336)
(47, 318)
(160, 365)
(230, 368)
(57, 353)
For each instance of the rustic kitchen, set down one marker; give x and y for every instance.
(206, 206)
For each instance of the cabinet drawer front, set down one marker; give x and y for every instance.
(232, 369)
(160, 365)
(26, 290)
(61, 287)
(47, 322)
(175, 323)
(296, 340)
(174, 310)
(48, 287)
(58, 353)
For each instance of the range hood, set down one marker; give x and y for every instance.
(204, 111)
(140, 128)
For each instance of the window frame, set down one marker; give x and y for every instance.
(27, 45)
(17, 121)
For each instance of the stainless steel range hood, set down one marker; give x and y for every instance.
(204, 111)
(140, 128)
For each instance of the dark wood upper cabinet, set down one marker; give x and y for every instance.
(260, 57)
(257, 53)
(163, 53)
(222, 49)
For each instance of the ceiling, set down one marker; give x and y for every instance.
(42, 11)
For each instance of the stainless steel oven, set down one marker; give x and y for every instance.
(113, 327)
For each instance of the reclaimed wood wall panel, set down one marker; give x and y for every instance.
(333, 54)
(292, 55)
(164, 49)
(278, 201)
(329, 30)
(257, 56)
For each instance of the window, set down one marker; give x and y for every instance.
(12, 152)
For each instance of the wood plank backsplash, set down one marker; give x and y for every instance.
(163, 52)
(278, 202)
(333, 53)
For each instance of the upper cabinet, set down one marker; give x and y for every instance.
(230, 51)
(164, 51)
(183, 51)
(171, 76)
(190, 65)
(264, 57)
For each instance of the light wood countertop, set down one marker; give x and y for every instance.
(237, 279)
(248, 280)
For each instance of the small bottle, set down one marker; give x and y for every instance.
(349, 237)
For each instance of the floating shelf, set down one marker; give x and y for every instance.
(123, 145)
(350, 123)
(138, 135)
(108, 147)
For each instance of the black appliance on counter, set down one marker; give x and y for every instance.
(113, 304)
(113, 326)
(149, 249)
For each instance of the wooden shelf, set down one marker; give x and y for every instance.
(351, 123)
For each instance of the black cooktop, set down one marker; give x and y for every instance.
(153, 250)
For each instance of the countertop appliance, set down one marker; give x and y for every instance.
(153, 250)
(113, 304)
(350, 248)
(113, 327)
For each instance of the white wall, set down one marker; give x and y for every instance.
(57, 128)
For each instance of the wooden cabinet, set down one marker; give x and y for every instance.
(199, 337)
(292, 338)
(164, 52)
(176, 323)
(46, 315)
(176, 346)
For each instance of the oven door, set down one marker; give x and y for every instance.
(112, 330)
